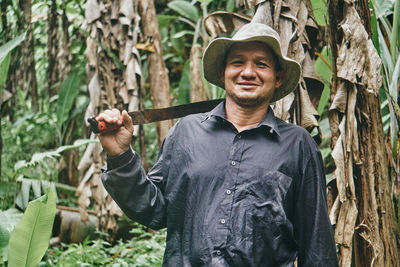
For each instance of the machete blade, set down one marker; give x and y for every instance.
(161, 114)
(158, 114)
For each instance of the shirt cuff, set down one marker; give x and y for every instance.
(114, 162)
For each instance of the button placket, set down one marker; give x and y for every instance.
(225, 209)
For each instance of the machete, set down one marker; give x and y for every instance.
(157, 114)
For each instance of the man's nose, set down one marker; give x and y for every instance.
(248, 70)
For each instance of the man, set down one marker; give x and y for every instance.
(235, 186)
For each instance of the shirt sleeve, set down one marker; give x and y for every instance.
(139, 195)
(312, 227)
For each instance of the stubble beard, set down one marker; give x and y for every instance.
(246, 102)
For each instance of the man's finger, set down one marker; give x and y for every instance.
(115, 112)
(109, 116)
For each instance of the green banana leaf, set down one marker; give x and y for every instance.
(184, 9)
(8, 219)
(66, 97)
(5, 58)
(31, 237)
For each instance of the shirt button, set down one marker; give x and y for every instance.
(233, 163)
(222, 221)
(239, 136)
(228, 192)
(218, 252)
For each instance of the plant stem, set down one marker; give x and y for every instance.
(394, 40)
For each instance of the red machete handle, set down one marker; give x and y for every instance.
(102, 126)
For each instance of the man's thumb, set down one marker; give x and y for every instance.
(127, 121)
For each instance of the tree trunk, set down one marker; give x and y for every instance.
(64, 57)
(377, 182)
(375, 239)
(114, 77)
(14, 73)
(59, 58)
(197, 89)
(52, 49)
(159, 81)
(27, 80)
(58, 51)
(358, 142)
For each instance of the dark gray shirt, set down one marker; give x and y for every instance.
(254, 198)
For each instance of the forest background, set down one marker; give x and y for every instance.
(63, 61)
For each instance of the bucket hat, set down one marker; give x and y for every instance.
(215, 55)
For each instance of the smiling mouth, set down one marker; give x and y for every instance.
(248, 85)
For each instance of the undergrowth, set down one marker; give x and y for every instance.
(144, 249)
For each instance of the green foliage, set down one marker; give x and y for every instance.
(144, 249)
(21, 139)
(374, 28)
(165, 20)
(395, 36)
(31, 236)
(43, 156)
(320, 11)
(324, 69)
(9, 46)
(7, 191)
(230, 5)
(89, 253)
(42, 159)
(183, 96)
(60, 119)
(66, 97)
(178, 38)
(5, 58)
(8, 220)
(37, 187)
(185, 9)
(390, 64)
(4, 66)
(383, 7)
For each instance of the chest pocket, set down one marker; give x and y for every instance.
(262, 228)
(265, 224)
(266, 195)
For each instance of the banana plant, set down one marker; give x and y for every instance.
(5, 57)
(388, 44)
(186, 24)
(8, 220)
(35, 185)
(31, 236)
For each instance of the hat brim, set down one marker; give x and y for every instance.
(214, 60)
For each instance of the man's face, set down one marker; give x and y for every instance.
(250, 75)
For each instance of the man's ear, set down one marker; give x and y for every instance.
(280, 77)
(222, 76)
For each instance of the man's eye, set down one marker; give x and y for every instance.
(236, 62)
(262, 64)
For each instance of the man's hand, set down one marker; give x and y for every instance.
(118, 141)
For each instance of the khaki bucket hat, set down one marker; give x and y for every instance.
(215, 55)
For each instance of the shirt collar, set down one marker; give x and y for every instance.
(269, 120)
